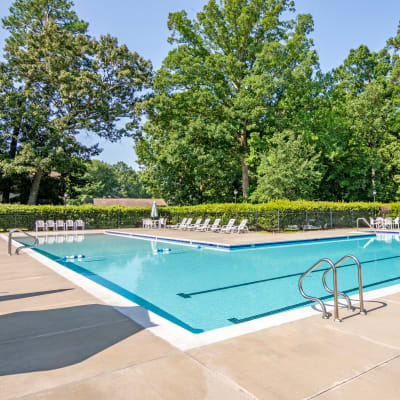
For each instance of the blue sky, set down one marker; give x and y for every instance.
(340, 25)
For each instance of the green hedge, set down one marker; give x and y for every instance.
(276, 215)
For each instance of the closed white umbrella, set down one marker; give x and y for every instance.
(154, 211)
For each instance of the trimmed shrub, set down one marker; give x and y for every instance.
(275, 215)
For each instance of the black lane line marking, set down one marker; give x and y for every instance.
(304, 303)
(189, 295)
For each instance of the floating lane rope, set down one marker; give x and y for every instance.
(162, 251)
(75, 257)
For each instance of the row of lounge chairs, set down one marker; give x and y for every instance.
(230, 227)
(59, 223)
(384, 223)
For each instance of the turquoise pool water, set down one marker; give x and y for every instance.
(204, 288)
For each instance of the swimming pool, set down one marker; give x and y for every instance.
(202, 289)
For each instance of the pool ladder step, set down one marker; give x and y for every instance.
(335, 292)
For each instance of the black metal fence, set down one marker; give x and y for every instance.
(274, 220)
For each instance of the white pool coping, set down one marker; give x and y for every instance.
(174, 334)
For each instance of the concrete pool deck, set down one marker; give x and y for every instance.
(59, 342)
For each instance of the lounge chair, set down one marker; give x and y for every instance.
(184, 226)
(215, 226)
(60, 224)
(242, 227)
(50, 224)
(396, 222)
(194, 226)
(204, 226)
(79, 224)
(177, 225)
(69, 224)
(40, 224)
(228, 227)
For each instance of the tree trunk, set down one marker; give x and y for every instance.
(35, 187)
(245, 169)
(245, 177)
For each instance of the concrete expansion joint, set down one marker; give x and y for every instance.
(352, 378)
(49, 334)
(366, 338)
(222, 376)
(106, 373)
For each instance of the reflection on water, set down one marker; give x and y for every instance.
(60, 238)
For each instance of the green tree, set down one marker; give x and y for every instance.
(290, 170)
(230, 83)
(63, 82)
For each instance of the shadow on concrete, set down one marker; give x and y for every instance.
(33, 294)
(369, 305)
(50, 339)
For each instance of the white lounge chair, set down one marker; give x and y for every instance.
(50, 224)
(178, 224)
(79, 224)
(188, 223)
(215, 226)
(388, 223)
(69, 224)
(60, 224)
(228, 227)
(194, 226)
(242, 227)
(396, 222)
(40, 224)
(204, 226)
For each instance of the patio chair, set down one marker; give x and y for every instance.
(388, 223)
(372, 222)
(184, 226)
(379, 222)
(228, 227)
(162, 223)
(242, 227)
(40, 224)
(79, 224)
(204, 226)
(215, 226)
(194, 226)
(60, 224)
(50, 224)
(69, 223)
(396, 222)
(177, 225)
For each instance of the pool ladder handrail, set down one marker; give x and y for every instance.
(335, 291)
(10, 232)
(360, 287)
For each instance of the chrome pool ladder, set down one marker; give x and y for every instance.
(335, 292)
(23, 246)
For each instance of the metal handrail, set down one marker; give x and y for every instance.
(316, 299)
(23, 246)
(360, 286)
(363, 219)
(329, 290)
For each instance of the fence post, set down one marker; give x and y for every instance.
(256, 220)
(330, 214)
(278, 222)
(352, 218)
(306, 217)
(15, 220)
(118, 220)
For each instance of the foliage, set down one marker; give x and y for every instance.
(58, 80)
(105, 180)
(238, 73)
(268, 216)
(288, 171)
